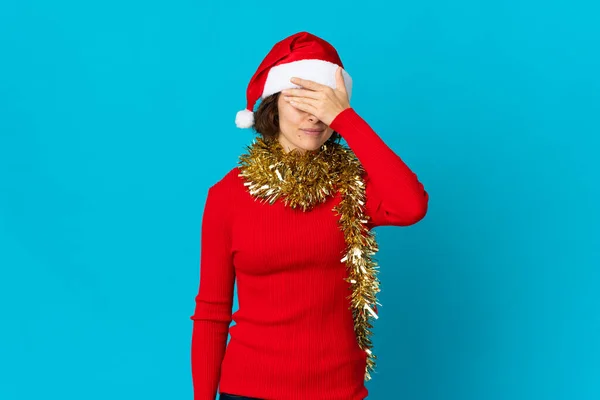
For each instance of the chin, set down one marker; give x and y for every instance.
(315, 146)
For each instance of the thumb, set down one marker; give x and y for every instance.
(339, 80)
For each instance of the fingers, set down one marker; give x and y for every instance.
(307, 83)
(301, 104)
(303, 93)
(315, 86)
(339, 80)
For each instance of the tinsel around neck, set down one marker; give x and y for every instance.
(305, 179)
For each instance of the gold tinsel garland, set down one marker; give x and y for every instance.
(307, 179)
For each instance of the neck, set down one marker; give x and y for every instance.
(291, 152)
(287, 147)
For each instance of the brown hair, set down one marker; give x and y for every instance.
(266, 119)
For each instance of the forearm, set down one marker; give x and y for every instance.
(397, 187)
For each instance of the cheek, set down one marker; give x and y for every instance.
(290, 115)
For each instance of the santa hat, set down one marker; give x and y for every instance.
(302, 55)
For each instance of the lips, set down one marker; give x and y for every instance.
(313, 130)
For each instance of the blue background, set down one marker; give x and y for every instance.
(116, 117)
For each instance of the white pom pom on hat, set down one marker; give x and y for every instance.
(302, 55)
(244, 119)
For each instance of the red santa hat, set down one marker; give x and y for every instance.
(302, 55)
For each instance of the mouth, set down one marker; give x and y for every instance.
(313, 131)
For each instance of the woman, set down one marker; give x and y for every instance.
(292, 224)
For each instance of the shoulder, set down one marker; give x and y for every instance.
(227, 185)
(229, 180)
(222, 197)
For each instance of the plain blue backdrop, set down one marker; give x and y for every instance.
(116, 117)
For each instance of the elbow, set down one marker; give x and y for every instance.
(213, 311)
(419, 212)
(416, 204)
(415, 210)
(421, 207)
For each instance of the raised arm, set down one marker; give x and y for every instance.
(394, 195)
(214, 300)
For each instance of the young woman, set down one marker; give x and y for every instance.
(292, 224)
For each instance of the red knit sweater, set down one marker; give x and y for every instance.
(293, 336)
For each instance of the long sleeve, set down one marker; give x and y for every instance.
(213, 310)
(394, 195)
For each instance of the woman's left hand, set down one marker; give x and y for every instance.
(319, 100)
